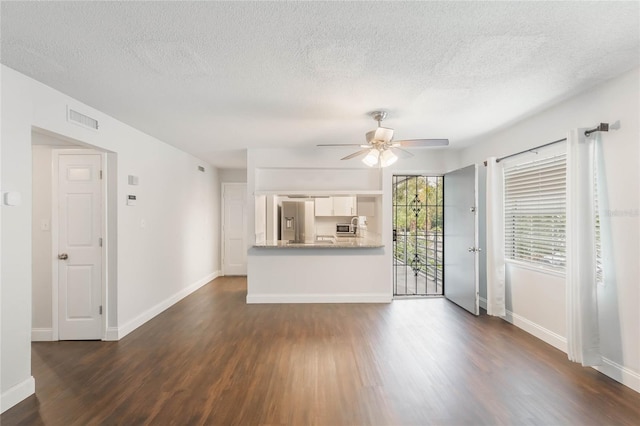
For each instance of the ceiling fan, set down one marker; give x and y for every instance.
(381, 149)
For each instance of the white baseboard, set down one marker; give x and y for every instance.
(111, 334)
(17, 393)
(483, 303)
(319, 298)
(548, 336)
(41, 335)
(127, 328)
(609, 368)
(620, 373)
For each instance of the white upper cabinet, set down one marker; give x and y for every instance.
(336, 206)
(324, 206)
(344, 206)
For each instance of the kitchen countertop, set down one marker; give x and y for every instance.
(326, 243)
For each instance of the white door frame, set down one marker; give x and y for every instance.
(222, 218)
(55, 334)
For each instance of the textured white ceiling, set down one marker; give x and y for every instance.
(215, 78)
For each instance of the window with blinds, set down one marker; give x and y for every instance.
(535, 212)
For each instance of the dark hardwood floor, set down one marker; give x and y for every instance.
(212, 359)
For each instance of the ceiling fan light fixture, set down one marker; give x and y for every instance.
(387, 158)
(372, 157)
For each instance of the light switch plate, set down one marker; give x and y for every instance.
(12, 198)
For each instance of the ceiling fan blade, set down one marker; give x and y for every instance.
(401, 153)
(339, 144)
(357, 153)
(384, 134)
(419, 143)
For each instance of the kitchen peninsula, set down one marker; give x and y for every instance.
(329, 243)
(316, 262)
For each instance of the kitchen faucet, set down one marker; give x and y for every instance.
(354, 226)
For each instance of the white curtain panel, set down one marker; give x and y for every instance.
(583, 338)
(495, 238)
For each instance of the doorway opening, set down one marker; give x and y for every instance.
(418, 237)
(73, 239)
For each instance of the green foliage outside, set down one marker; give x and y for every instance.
(420, 193)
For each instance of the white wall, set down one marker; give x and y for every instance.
(16, 382)
(41, 244)
(233, 175)
(537, 299)
(168, 245)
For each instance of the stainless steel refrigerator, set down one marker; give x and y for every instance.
(298, 221)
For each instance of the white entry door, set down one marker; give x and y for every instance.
(461, 238)
(79, 247)
(234, 229)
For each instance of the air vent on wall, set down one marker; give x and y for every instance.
(82, 120)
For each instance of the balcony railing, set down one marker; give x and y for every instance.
(422, 253)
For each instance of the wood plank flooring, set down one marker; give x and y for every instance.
(211, 359)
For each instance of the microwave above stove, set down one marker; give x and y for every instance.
(345, 229)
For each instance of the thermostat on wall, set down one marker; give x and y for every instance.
(131, 200)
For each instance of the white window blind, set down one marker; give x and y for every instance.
(535, 212)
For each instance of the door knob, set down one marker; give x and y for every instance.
(63, 256)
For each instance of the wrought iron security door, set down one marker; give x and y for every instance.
(417, 235)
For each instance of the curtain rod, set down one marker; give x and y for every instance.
(602, 127)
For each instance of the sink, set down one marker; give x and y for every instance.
(325, 239)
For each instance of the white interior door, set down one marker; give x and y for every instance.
(461, 238)
(235, 229)
(79, 247)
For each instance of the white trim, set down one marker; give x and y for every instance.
(483, 302)
(609, 368)
(534, 267)
(548, 336)
(55, 171)
(105, 242)
(111, 334)
(41, 335)
(620, 373)
(320, 298)
(159, 308)
(17, 393)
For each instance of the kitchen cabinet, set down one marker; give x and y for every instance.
(336, 206)
(324, 206)
(344, 206)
